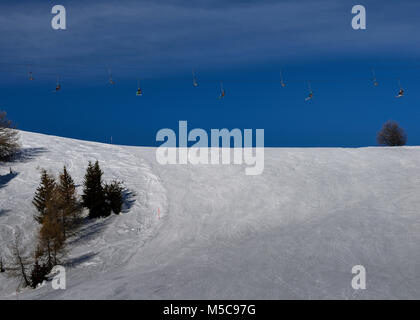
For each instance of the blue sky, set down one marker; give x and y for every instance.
(243, 43)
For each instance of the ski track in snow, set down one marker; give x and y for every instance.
(293, 232)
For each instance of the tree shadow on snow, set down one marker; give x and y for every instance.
(89, 229)
(27, 154)
(129, 197)
(4, 212)
(6, 178)
(92, 228)
(73, 262)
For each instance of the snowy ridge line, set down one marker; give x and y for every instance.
(293, 232)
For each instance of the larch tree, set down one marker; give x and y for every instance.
(51, 241)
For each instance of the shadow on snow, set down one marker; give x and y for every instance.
(5, 179)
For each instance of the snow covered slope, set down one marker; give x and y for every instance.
(203, 231)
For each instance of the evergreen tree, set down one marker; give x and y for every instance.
(114, 196)
(43, 195)
(93, 191)
(40, 270)
(37, 275)
(69, 206)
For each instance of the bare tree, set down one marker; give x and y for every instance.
(2, 266)
(20, 262)
(9, 137)
(391, 135)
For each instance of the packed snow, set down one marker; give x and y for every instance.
(212, 232)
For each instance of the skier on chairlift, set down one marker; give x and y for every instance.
(311, 94)
(111, 81)
(139, 92)
(222, 91)
(309, 97)
(374, 81)
(195, 83)
(400, 93)
(58, 86)
(281, 79)
(30, 76)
